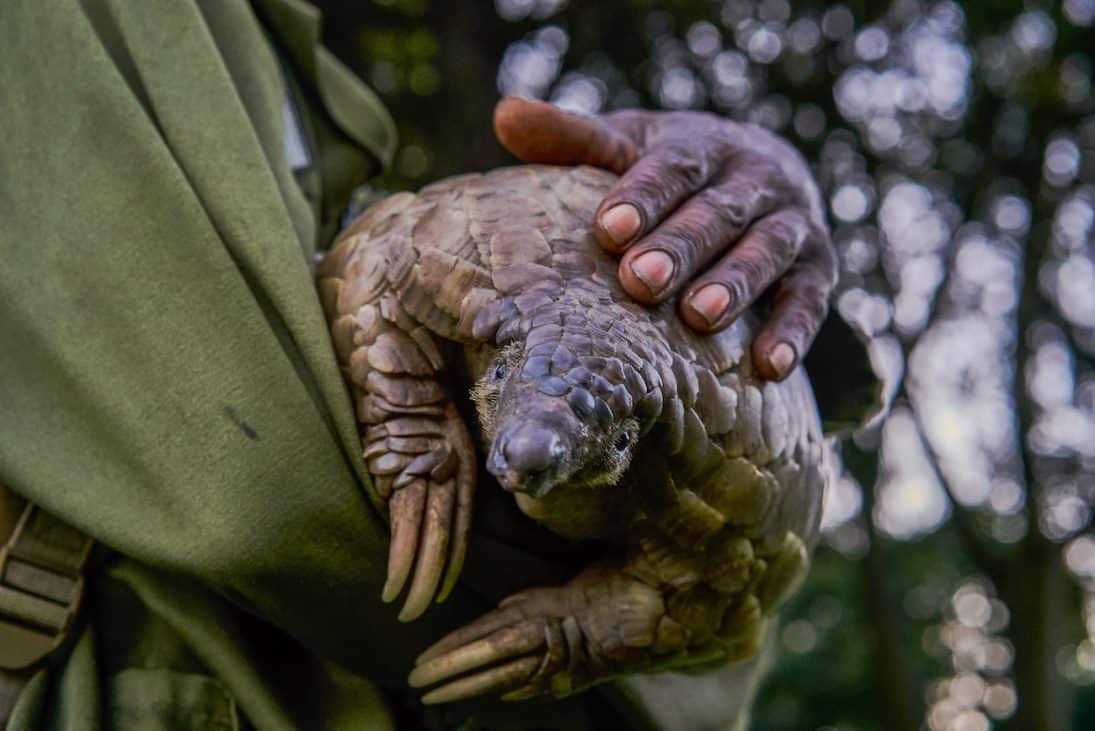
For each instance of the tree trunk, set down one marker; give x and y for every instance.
(896, 709)
(1036, 592)
(1036, 588)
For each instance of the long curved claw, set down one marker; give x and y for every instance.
(496, 679)
(503, 653)
(480, 628)
(434, 543)
(406, 507)
(502, 645)
(553, 641)
(461, 530)
(521, 648)
(430, 497)
(524, 693)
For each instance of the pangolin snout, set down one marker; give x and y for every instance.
(526, 457)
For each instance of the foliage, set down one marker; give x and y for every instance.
(956, 147)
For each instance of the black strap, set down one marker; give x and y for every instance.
(41, 590)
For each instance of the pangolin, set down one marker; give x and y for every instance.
(606, 420)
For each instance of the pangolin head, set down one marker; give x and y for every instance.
(544, 431)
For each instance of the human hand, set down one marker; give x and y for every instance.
(713, 208)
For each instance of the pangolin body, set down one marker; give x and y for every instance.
(606, 419)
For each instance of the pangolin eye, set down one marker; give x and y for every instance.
(623, 441)
(500, 371)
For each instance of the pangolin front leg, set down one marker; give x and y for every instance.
(552, 641)
(664, 608)
(418, 451)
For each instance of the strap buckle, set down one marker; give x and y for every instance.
(39, 602)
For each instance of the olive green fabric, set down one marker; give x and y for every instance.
(166, 380)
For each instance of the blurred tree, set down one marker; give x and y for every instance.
(956, 147)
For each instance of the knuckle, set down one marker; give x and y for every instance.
(644, 191)
(777, 234)
(691, 173)
(799, 325)
(765, 263)
(727, 211)
(768, 170)
(752, 270)
(709, 225)
(820, 262)
(787, 230)
(689, 169)
(738, 279)
(681, 242)
(689, 125)
(776, 188)
(818, 308)
(811, 302)
(738, 284)
(826, 252)
(752, 191)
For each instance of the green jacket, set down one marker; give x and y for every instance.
(167, 384)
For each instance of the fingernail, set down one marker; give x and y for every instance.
(782, 358)
(654, 269)
(711, 302)
(621, 223)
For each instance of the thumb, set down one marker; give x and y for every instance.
(539, 132)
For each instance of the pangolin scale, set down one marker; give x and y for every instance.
(606, 420)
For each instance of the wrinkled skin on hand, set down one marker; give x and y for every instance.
(718, 210)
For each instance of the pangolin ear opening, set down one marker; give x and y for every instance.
(849, 391)
(485, 392)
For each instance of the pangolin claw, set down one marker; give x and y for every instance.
(430, 506)
(545, 642)
(406, 507)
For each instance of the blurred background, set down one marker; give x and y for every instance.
(955, 144)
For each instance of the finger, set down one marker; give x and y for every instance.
(489, 622)
(501, 645)
(406, 508)
(726, 289)
(537, 131)
(436, 529)
(704, 227)
(801, 304)
(650, 190)
(496, 679)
